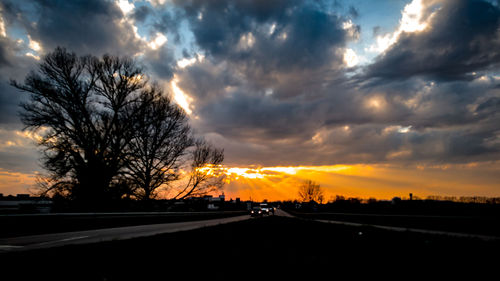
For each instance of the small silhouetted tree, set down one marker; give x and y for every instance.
(203, 174)
(310, 191)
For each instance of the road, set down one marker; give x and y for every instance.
(282, 213)
(108, 234)
(396, 228)
(416, 230)
(43, 241)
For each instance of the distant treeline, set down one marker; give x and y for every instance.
(466, 199)
(358, 200)
(461, 199)
(432, 205)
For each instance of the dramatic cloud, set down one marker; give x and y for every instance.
(93, 26)
(286, 46)
(289, 83)
(461, 37)
(11, 67)
(272, 106)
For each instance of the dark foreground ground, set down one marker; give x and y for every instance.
(488, 225)
(269, 248)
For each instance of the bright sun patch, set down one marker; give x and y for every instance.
(125, 6)
(3, 31)
(158, 41)
(239, 173)
(412, 20)
(180, 97)
(350, 58)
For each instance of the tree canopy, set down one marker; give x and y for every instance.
(107, 132)
(310, 191)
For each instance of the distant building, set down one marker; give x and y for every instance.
(207, 202)
(396, 200)
(215, 203)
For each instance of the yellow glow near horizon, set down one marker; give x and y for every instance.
(16, 182)
(381, 181)
(235, 173)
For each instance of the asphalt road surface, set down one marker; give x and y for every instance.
(120, 233)
(346, 222)
(108, 234)
(282, 213)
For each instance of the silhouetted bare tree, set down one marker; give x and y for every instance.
(310, 191)
(204, 175)
(104, 127)
(84, 103)
(162, 137)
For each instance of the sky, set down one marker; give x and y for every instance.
(367, 98)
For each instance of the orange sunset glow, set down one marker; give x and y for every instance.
(361, 180)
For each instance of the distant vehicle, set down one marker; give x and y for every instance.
(256, 212)
(267, 209)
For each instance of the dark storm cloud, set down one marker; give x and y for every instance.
(83, 26)
(353, 12)
(168, 21)
(249, 114)
(463, 37)
(273, 89)
(141, 13)
(424, 104)
(417, 120)
(272, 99)
(22, 156)
(276, 35)
(490, 106)
(5, 52)
(9, 104)
(11, 67)
(278, 101)
(160, 62)
(19, 159)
